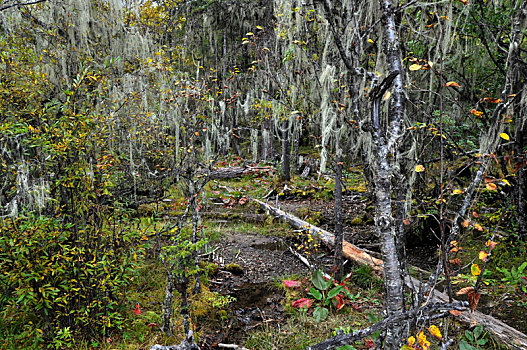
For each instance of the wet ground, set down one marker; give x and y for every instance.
(265, 261)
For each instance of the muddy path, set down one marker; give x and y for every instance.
(260, 263)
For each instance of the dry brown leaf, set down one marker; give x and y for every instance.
(473, 300)
(464, 291)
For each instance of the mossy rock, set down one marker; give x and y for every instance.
(357, 221)
(209, 268)
(234, 268)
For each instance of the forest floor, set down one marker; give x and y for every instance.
(253, 254)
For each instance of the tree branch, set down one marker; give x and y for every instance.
(431, 310)
(18, 4)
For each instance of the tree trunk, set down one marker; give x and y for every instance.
(286, 152)
(339, 235)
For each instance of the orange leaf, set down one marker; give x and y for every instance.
(464, 291)
(475, 214)
(406, 222)
(491, 186)
(483, 255)
(455, 261)
(489, 179)
(464, 2)
(492, 100)
(455, 312)
(465, 223)
(491, 244)
(473, 300)
(478, 227)
(476, 113)
(452, 84)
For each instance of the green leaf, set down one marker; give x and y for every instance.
(482, 341)
(463, 345)
(315, 293)
(477, 331)
(319, 281)
(320, 314)
(469, 336)
(335, 291)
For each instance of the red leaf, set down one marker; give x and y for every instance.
(340, 302)
(303, 302)
(369, 343)
(292, 284)
(137, 310)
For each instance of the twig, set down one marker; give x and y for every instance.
(18, 4)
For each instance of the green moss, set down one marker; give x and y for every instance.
(234, 269)
(357, 221)
(210, 269)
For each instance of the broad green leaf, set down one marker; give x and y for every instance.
(315, 293)
(319, 281)
(320, 314)
(335, 291)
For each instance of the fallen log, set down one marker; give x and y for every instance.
(236, 171)
(508, 335)
(349, 251)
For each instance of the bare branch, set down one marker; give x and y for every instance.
(20, 4)
(431, 310)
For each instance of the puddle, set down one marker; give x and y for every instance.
(256, 304)
(274, 246)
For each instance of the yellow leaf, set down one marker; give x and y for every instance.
(370, 41)
(435, 332)
(505, 136)
(386, 96)
(491, 186)
(475, 270)
(423, 342)
(419, 168)
(411, 340)
(478, 227)
(506, 182)
(456, 191)
(483, 255)
(452, 83)
(415, 66)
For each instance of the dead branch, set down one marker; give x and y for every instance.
(431, 311)
(19, 4)
(350, 251)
